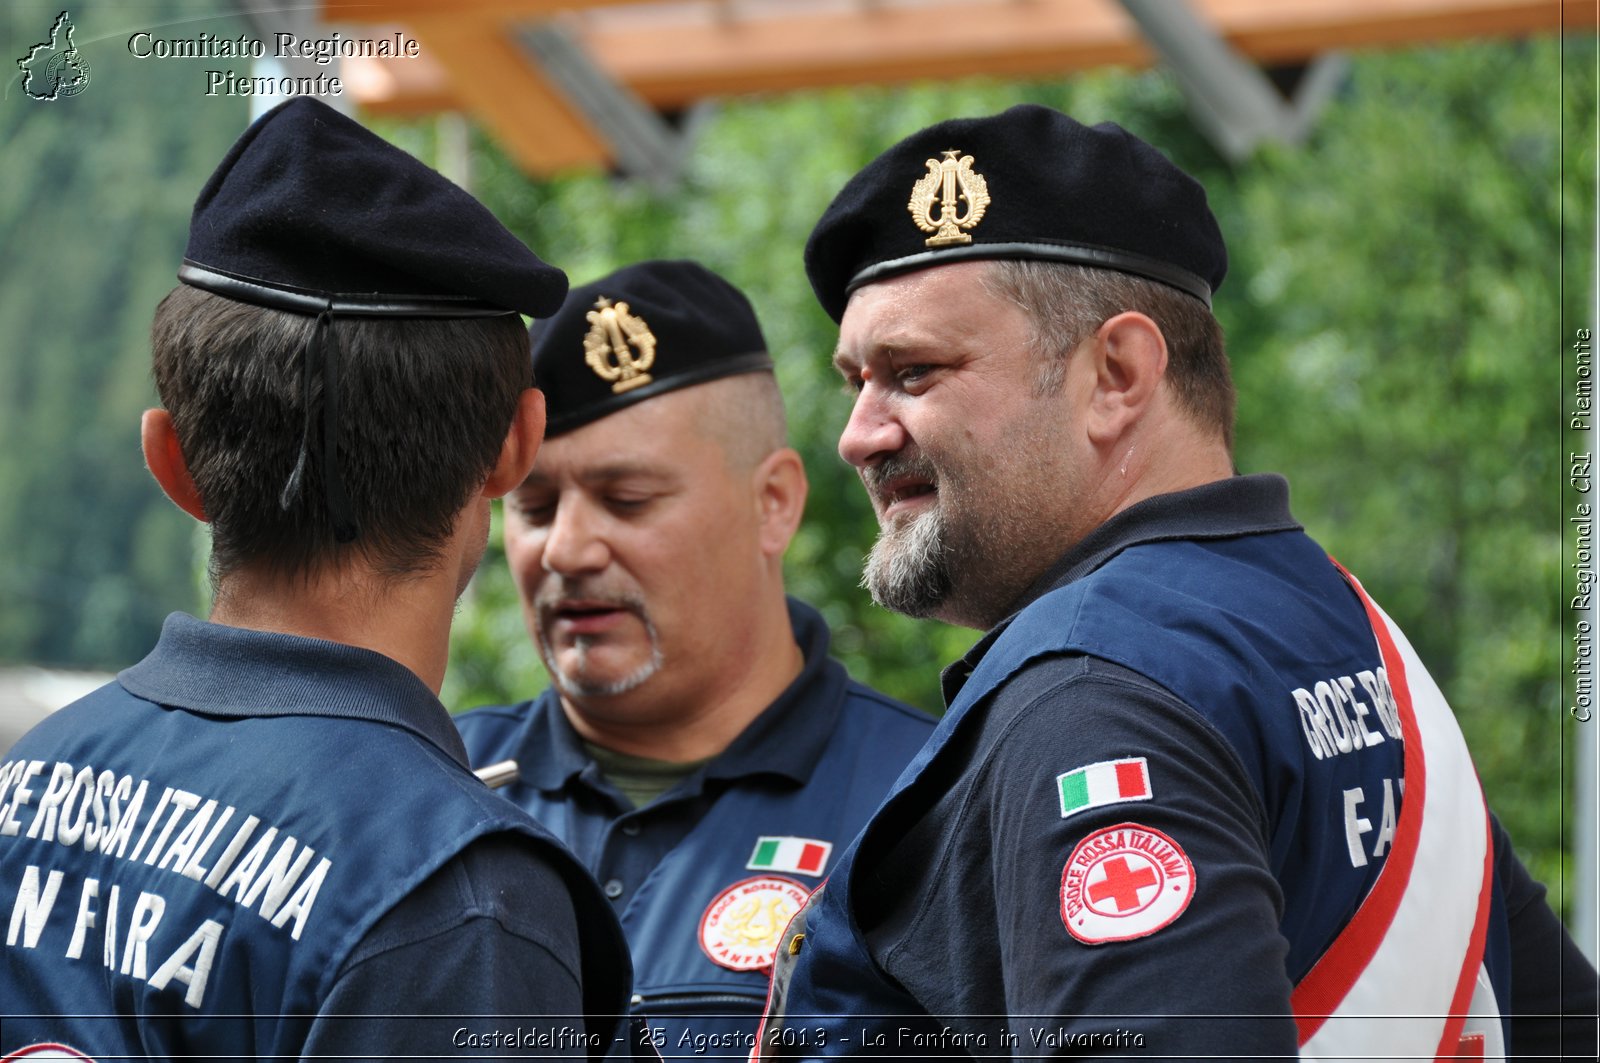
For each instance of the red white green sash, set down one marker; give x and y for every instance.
(1404, 979)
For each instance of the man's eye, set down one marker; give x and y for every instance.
(913, 373)
(533, 513)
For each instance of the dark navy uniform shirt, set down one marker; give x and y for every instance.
(704, 876)
(444, 921)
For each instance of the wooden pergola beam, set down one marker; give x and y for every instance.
(491, 77)
(672, 55)
(404, 11)
(673, 66)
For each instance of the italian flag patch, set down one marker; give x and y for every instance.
(804, 856)
(1109, 782)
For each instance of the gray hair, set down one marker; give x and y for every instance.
(1068, 302)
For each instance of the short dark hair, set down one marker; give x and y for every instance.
(425, 407)
(1068, 302)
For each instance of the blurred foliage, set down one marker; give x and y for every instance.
(1394, 310)
(94, 213)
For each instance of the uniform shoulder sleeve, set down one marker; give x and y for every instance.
(487, 944)
(1130, 865)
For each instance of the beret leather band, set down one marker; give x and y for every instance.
(1080, 254)
(351, 304)
(759, 361)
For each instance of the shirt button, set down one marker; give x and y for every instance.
(631, 828)
(614, 888)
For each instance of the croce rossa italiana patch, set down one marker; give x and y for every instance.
(1124, 882)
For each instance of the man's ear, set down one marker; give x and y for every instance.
(780, 488)
(1129, 359)
(521, 446)
(159, 440)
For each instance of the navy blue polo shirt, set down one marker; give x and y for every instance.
(808, 770)
(424, 909)
(621, 844)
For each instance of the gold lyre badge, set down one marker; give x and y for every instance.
(945, 177)
(606, 347)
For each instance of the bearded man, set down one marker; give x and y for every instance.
(1194, 794)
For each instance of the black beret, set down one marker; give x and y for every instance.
(646, 329)
(1029, 183)
(310, 209)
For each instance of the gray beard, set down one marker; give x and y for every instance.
(968, 574)
(572, 682)
(908, 569)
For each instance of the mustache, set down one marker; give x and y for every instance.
(550, 599)
(896, 466)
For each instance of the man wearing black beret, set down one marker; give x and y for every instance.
(698, 748)
(1194, 796)
(264, 839)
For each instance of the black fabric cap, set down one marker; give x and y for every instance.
(309, 208)
(1030, 183)
(644, 330)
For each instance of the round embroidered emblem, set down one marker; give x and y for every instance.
(743, 925)
(48, 1052)
(1124, 882)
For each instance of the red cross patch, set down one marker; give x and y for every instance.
(47, 1052)
(1124, 882)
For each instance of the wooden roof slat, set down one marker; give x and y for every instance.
(404, 11)
(674, 54)
(527, 114)
(673, 67)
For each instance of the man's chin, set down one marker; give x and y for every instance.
(591, 679)
(915, 587)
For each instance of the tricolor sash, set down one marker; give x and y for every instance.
(1368, 996)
